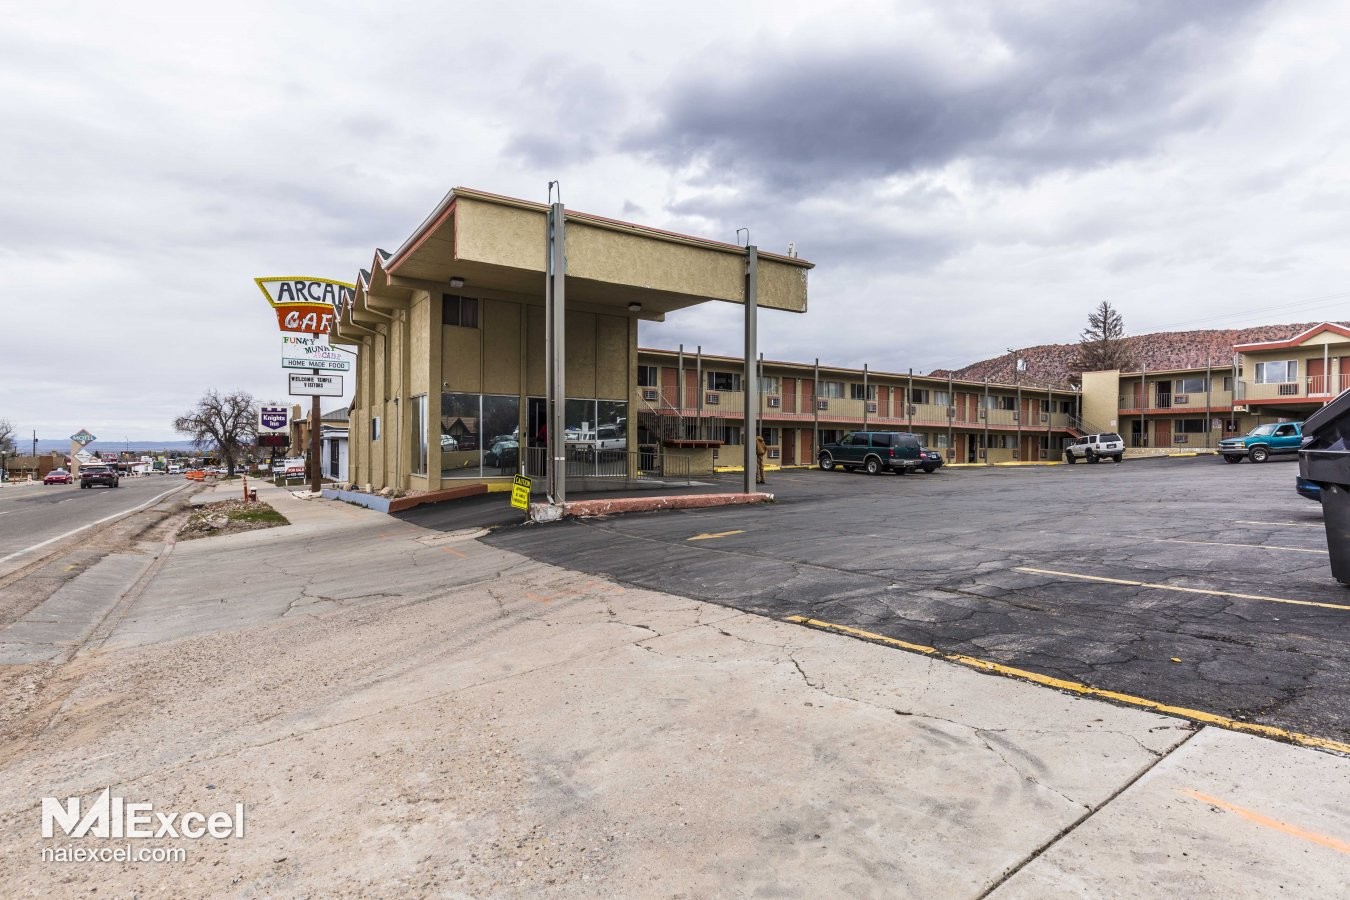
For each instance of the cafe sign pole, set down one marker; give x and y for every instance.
(306, 309)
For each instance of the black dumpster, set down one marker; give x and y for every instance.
(1325, 459)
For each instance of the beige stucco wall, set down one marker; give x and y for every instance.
(501, 324)
(1101, 398)
(504, 235)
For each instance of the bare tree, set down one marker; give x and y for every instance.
(6, 436)
(229, 423)
(1102, 344)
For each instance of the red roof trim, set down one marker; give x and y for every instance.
(1296, 339)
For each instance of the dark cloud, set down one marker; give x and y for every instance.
(1078, 86)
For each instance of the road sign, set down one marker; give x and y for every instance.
(272, 418)
(309, 351)
(83, 437)
(315, 385)
(520, 492)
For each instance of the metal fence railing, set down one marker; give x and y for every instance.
(607, 469)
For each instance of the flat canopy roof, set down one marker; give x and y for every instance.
(497, 245)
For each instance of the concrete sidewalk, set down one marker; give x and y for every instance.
(414, 713)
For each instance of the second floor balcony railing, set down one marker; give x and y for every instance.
(1312, 387)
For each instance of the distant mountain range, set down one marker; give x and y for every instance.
(47, 445)
(1056, 364)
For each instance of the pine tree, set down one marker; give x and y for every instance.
(1102, 344)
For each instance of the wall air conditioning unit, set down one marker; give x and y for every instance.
(773, 453)
(982, 413)
(649, 393)
(1017, 416)
(951, 412)
(1288, 390)
(712, 398)
(822, 404)
(1045, 418)
(912, 409)
(774, 402)
(871, 406)
(1181, 398)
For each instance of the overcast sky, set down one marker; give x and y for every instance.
(967, 177)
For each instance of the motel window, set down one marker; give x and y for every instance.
(419, 430)
(768, 384)
(724, 381)
(862, 392)
(919, 395)
(459, 311)
(1282, 372)
(730, 434)
(996, 402)
(1191, 386)
(770, 436)
(647, 376)
(1189, 426)
(1228, 383)
(940, 440)
(831, 390)
(941, 398)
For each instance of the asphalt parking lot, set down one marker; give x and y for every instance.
(1188, 582)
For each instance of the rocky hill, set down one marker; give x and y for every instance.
(1056, 364)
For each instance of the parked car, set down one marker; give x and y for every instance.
(930, 460)
(95, 474)
(873, 451)
(503, 455)
(448, 442)
(606, 442)
(1263, 442)
(1310, 489)
(56, 476)
(1096, 447)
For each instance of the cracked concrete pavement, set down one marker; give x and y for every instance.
(406, 713)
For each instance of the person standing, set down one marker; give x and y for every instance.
(760, 450)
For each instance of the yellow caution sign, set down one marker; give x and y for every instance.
(520, 492)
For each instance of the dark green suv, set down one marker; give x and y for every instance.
(873, 451)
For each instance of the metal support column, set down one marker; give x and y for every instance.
(909, 403)
(815, 412)
(866, 397)
(554, 351)
(951, 412)
(985, 415)
(1209, 403)
(751, 385)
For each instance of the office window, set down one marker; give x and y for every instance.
(459, 311)
(419, 430)
(648, 377)
(856, 392)
(831, 390)
(724, 381)
(1282, 372)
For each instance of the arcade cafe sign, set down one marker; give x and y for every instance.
(307, 305)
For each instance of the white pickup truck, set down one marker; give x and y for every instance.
(606, 442)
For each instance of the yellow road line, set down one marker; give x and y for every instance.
(1084, 690)
(1285, 524)
(1180, 590)
(1252, 815)
(709, 537)
(1247, 546)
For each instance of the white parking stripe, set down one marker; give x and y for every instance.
(41, 544)
(1179, 590)
(1249, 546)
(1281, 524)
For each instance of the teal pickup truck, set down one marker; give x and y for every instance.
(1263, 441)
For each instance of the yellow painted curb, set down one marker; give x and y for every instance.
(1293, 737)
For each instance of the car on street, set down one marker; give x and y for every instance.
(448, 442)
(873, 451)
(929, 460)
(56, 476)
(97, 474)
(1263, 442)
(1096, 447)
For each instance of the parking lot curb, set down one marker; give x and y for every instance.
(1083, 690)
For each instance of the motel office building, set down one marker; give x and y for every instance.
(450, 333)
